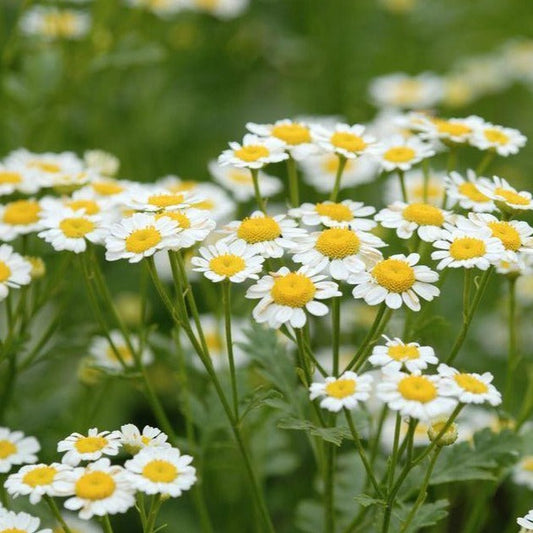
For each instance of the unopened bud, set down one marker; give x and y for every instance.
(38, 267)
(447, 438)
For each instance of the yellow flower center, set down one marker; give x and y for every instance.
(406, 91)
(207, 205)
(206, 4)
(59, 24)
(165, 200)
(511, 197)
(453, 129)
(495, 136)
(123, 351)
(5, 272)
(527, 464)
(181, 218)
(399, 154)
(472, 192)
(337, 243)
(243, 178)
(90, 444)
(159, 471)
(143, 239)
(331, 164)
(417, 388)
(7, 448)
(7, 176)
(467, 248)
(146, 440)
(227, 265)
(76, 228)
(293, 290)
(434, 191)
(14, 530)
(42, 475)
(89, 206)
(213, 341)
(337, 212)
(470, 384)
(22, 212)
(507, 234)
(259, 229)
(107, 188)
(341, 388)
(292, 133)
(423, 214)
(394, 275)
(95, 486)
(348, 141)
(45, 166)
(252, 152)
(402, 352)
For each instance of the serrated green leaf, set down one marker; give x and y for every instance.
(334, 435)
(366, 501)
(427, 515)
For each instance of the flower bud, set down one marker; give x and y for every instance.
(448, 437)
(38, 267)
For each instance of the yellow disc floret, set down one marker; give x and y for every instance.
(417, 389)
(348, 141)
(22, 212)
(76, 227)
(331, 164)
(90, 444)
(95, 486)
(89, 206)
(507, 234)
(470, 383)
(41, 475)
(45, 166)
(124, 353)
(184, 222)
(454, 129)
(338, 243)
(292, 133)
(472, 192)
(107, 188)
(495, 136)
(5, 272)
(423, 214)
(143, 239)
(402, 352)
(165, 200)
(227, 265)
(512, 197)
(395, 275)
(159, 471)
(337, 212)
(341, 388)
(258, 229)
(252, 152)
(527, 463)
(467, 248)
(8, 176)
(399, 154)
(7, 448)
(293, 290)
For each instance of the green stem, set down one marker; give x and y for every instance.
(336, 329)
(377, 437)
(292, 172)
(466, 291)
(152, 514)
(336, 187)
(485, 162)
(401, 178)
(55, 511)
(394, 456)
(514, 358)
(3, 493)
(107, 524)
(426, 174)
(226, 304)
(258, 197)
(329, 487)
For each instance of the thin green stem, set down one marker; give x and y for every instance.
(152, 514)
(107, 524)
(394, 457)
(226, 304)
(514, 358)
(55, 511)
(485, 162)
(292, 172)
(336, 332)
(401, 178)
(329, 487)
(258, 197)
(466, 291)
(426, 172)
(338, 177)
(381, 327)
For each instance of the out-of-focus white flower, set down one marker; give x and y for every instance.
(253, 153)
(53, 23)
(466, 192)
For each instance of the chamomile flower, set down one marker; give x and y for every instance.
(505, 196)
(468, 387)
(295, 136)
(103, 163)
(104, 353)
(466, 191)
(451, 130)
(194, 225)
(161, 471)
(239, 182)
(235, 261)
(140, 236)
(112, 192)
(397, 354)
(340, 214)
(398, 153)
(504, 141)
(344, 140)
(340, 250)
(98, 489)
(418, 189)
(426, 219)
(161, 8)
(51, 23)
(16, 449)
(19, 217)
(414, 395)
(285, 296)
(345, 391)
(266, 235)
(466, 249)
(89, 447)
(36, 481)
(15, 271)
(254, 152)
(134, 440)
(157, 199)
(420, 434)
(14, 179)
(523, 472)
(396, 281)
(20, 523)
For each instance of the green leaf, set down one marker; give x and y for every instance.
(366, 501)
(427, 515)
(334, 435)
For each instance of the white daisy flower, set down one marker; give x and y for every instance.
(409, 92)
(103, 163)
(14, 270)
(414, 395)
(466, 249)
(133, 440)
(253, 153)
(341, 250)
(468, 387)
(234, 261)
(504, 141)
(525, 522)
(20, 523)
(89, 447)
(161, 471)
(16, 449)
(285, 296)
(266, 235)
(506, 196)
(222, 9)
(19, 217)
(466, 191)
(398, 153)
(344, 140)
(14, 179)
(77, 525)
(339, 214)
(110, 191)
(426, 219)
(140, 236)
(523, 472)
(161, 8)
(396, 281)
(52, 23)
(345, 391)
(450, 130)
(420, 435)
(36, 481)
(520, 267)
(239, 182)
(98, 489)
(151, 198)
(397, 354)
(295, 136)
(105, 355)
(194, 225)
(418, 190)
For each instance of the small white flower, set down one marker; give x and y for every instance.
(20, 523)
(89, 447)
(14, 270)
(468, 387)
(222, 9)
(398, 153)
(52, 23)
(14, 179)
(396, 281)
(103, 163)
(466, 191)
(19, 217)
(254, 152)
(133, 440)
(504, 141)
(161, 471)
(285, 296)
(451, 130)
(16, 449)
(507, 196)
(397, 354)
(194, 224)
(345, 391)
(523, 473)
(344, 140)
(151, 198)
(418, 189)
(161, 8)
(234, 261)
(526, 522)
